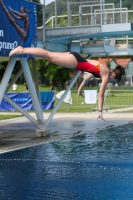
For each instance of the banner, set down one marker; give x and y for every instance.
(24, 101)
(18, 25)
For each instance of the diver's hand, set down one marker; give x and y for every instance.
(101, 116)
(10, 8)
(80, 94)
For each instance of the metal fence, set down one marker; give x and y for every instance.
(113, 99)
(90, 14)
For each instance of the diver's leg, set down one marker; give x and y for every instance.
(19, 30)
(10, 18)
(63, 59)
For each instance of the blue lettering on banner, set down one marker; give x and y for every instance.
(24, 101)
(21, 99)
(1, 33)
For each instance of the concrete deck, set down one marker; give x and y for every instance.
(19, 133)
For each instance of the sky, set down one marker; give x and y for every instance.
(46, 1)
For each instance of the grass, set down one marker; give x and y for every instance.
(128, 111)
(21, 88)
(114, 100)
(3, 116)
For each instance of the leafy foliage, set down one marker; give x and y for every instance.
(108, 63)
(2, 69)
(57, 74)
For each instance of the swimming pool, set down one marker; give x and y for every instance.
(96, 166)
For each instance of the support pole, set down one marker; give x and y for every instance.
(44, 20)
(104, 18)
(14, 80)
(80, 15)
(55, 13)
(6, 77)
(120, 11)
(101, 15)
(62, 98)
(113, 15)
(20, 109)
(36, 80)
(91, 17)
(32, 91)
(68, 12)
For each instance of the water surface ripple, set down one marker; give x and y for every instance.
(94, 166)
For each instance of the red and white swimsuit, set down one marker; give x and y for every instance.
(84, 65)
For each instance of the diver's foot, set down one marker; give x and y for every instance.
(1, 2)
(3, 6)
(16, 51)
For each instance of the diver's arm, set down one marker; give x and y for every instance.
(16, 17)
(84, 82)
(17, 13)
(101, 95)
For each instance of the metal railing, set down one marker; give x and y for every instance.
(113, 99)
(92, 16)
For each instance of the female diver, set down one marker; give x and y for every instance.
(74, 61)
(21, 16)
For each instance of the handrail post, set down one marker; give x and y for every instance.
(80, 15)
(44, 26)
(101, 20)
(69, 13)
(55, 13)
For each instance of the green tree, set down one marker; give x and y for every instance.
(58, 75)
(62, 6)
(108, 63)
(46, 70)
(2, 69)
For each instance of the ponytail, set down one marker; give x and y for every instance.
(26, 10)
(119, 72)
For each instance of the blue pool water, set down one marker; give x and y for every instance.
(96, 166)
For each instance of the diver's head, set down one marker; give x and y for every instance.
(116, 74)
(22, 9)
